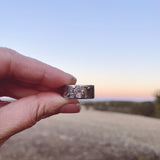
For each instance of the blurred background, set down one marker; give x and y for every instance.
(113, 45)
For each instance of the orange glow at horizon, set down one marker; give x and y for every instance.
(120, 86)
(99, 92)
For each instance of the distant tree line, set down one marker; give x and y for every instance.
(151, 109)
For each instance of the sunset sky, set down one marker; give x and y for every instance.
(114, 45)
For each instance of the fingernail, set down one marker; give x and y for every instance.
(73, 79)
(70, 108)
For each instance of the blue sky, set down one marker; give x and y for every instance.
(112, 44)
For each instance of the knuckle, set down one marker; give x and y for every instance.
(46, 104)
(39, 108)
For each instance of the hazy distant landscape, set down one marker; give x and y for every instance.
(146, 108)
(89, 135)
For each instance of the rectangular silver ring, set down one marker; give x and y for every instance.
(79, 91)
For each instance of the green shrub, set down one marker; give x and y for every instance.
(157, 104)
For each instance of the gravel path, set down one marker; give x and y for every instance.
(89, 135)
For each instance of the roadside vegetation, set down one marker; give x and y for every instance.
(148, 108)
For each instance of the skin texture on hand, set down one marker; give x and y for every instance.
(37, 88)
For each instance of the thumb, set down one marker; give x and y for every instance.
(24, 113)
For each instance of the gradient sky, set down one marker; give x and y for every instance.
(114, 45)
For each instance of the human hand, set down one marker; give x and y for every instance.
(36, 86)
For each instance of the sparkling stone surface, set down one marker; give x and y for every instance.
(79, 91)
(75, 92)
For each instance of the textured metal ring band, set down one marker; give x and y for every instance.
(79, 91)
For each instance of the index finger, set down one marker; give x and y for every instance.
(32, 71)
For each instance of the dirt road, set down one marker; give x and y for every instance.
(89, 135)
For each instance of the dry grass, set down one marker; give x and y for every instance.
(90, 135)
